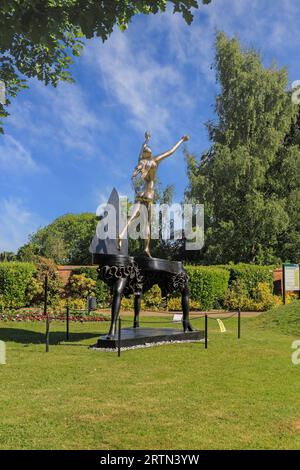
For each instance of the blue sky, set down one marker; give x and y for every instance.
(65, 148)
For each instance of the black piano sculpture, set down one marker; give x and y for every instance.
(127, 275)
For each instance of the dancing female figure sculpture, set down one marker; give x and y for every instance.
(147, 167)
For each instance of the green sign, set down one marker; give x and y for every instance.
(292, 277)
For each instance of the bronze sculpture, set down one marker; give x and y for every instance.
(147, 167)
(134, 275)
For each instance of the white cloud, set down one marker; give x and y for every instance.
(101, 196)
(59, 115)
(151, 91)
(187, 45)
(14, 156)
(72, 122)
(16, 224)
(269, 26)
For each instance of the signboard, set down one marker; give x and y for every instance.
(221, 325)
(177, 318)
(2, 353)
(291, 277)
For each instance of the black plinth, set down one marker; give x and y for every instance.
(131, 337)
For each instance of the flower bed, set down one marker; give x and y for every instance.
(38, 315)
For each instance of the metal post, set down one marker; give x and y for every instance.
(68, 321)
(239, 324)
(283, 284)
(119, 337)
(206, 332)
(47, 338)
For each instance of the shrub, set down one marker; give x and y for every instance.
(15, 278)
(174, 304)
(264, 298)
(152, 298)
(35, 289)
(101, 293)
(237, 297)
(250, 275)
(250, 288)
(127, 303)
(208, 285)
(80, 286)
(2, 302)
(73, 304)
(291, 297)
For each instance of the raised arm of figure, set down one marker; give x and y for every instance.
(170, 152)
(147, 138)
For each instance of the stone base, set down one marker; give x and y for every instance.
(133, 337)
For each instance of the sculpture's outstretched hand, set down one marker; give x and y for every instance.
(164, 155)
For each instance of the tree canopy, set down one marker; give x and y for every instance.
(66, 240)
(249, 179)
(38, 38)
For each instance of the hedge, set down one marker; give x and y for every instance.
(208, 285)
(102, 290)
(14, 280)
(250, 275)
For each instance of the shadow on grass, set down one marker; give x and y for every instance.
(17, 335)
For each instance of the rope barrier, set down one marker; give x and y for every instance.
(171, 321)
(197, 318)
(213, 318)
(222, 318)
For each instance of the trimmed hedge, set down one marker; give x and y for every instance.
(102, 290)
(15, 278)
(208, 285)
(250, 275)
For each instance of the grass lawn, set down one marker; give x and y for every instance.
(237, 394)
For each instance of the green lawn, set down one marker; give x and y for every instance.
(237, 394)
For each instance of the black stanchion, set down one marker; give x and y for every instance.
(47, 338)
(119, 337)
(206, 332)
(239, 324)
(68, 323)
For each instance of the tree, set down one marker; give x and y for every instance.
(248, 179)
(7, 256)
(27, 253)
(66, 240)
(284, 178)
(39, 37)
